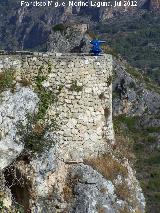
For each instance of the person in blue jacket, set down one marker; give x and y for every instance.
(96, 49)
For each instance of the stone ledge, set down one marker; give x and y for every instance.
(46, 54)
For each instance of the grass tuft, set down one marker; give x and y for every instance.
(6, 79)
(109, 167)
(74, 87)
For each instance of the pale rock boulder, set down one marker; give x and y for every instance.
(14, 108)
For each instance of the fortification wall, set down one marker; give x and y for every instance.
(74, 91)
(83, 109)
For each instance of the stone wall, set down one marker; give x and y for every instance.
(74, 94)
(83, 110)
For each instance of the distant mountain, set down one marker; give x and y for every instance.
(29, 27)
(137, 38)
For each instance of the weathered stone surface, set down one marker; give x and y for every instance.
(94, 193)
(13, 108)
(137, 99)
(78, 102)
(82, 110)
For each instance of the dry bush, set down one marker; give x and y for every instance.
(124, 210)
(123, 192)
(38, 128)
(67, 193)
(7, 78)
(101, 210)
(103, 190)
(68, 189)
(123, 147)
(138, 211)
(25, 82)
(107, 166)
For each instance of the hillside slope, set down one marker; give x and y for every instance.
(137, 38)
(29, 27)
(136, 110)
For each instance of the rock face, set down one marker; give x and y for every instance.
(73, 38)
(67, 162)
(134, 97)
(95, 193)
(151, 5)
(136, 104)
(13, 108)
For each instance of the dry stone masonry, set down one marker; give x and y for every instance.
(83, 110)
(73, 94)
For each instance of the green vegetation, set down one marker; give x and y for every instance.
(49, 67)
(1, 205)
(34, 134)
(19, 208)
(129, 122)
(134, 72)
(132, 85)
(140, 141)
(109, 80)
(148, 83)
(6, 79)
(115, 95)
(153, 159)
(60, 89)
(138, 44)
(111, 51)
(151, 139)
(74, 87)
(153, 129)
(132, 128)
(46, 96)
(59, 27)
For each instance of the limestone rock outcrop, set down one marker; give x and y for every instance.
(66, 161)
(14, 108)
(73, 38)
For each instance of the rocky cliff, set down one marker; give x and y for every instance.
(136, 104)
(30, 27)
(57, 140)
